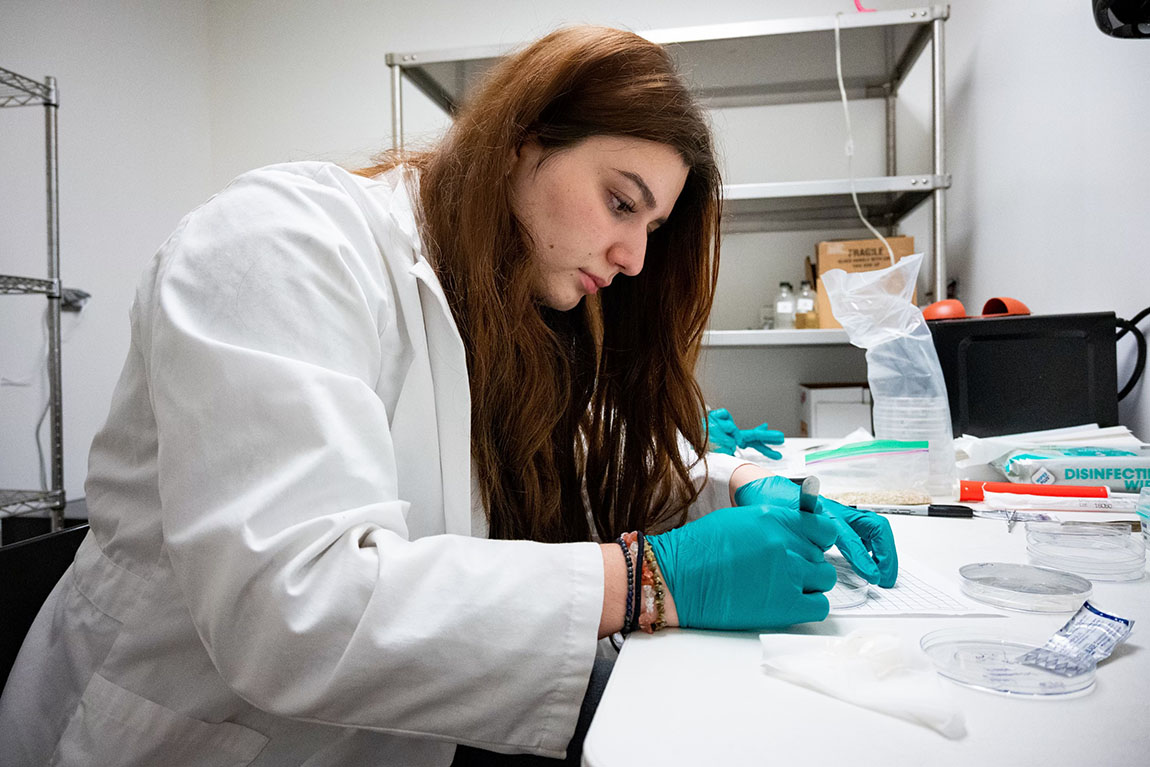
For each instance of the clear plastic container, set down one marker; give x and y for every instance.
(1024, 587)
(766, 316)
(922, 418)
(990, 662)
(1097, 553)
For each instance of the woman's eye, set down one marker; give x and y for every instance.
(620, 205)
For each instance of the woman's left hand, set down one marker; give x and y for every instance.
(864, 538)
(725, 436)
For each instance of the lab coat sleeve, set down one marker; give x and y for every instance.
(714, 476)
(261, 333)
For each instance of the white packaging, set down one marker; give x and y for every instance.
(1121, 470)
(833, 410)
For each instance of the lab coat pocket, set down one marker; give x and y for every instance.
(112, 726)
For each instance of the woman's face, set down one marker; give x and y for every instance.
(589, 209)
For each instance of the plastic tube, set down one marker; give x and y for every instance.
(973, 491)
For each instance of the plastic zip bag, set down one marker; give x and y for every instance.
(879, 471)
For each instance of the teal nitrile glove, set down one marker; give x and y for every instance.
(864, 538)
(748, 568)
(722, 433)
(725, 435)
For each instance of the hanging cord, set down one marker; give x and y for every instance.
(850, 145)
(1131, 326)
(39, 375)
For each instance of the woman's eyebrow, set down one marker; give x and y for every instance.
(644, 190)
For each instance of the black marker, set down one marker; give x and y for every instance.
(932, 510)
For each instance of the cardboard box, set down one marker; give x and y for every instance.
(852, 256)
(831, 410)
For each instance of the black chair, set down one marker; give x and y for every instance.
(29, 571)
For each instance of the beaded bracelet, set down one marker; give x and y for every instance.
(634, 543)
(640, 561)
(629, 613)
(651, 615)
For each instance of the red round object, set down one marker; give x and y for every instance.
(949, 309)
(1004, 305)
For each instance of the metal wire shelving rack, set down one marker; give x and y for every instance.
(18, 91)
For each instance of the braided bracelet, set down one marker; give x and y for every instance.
(630, 586)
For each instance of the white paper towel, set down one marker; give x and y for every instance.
(876, 670)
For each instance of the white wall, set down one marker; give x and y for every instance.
(1026, 91)
(134, 156)
(1048, 139)
(164, 102)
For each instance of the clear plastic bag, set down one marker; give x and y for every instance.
(906, 383)
(879, 471)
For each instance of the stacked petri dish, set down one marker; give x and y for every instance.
(1024, 587)
(1143, 510)
(918, 418)
(1097, 553)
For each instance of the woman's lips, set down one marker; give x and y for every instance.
(590, 284)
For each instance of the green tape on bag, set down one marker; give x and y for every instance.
(875, 447)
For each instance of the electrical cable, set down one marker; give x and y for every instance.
(1134, 320)
(1131, 326)
(850, 145)
(40, 372)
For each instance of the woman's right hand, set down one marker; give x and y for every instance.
(748, 568)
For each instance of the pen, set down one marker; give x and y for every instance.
(932, 510)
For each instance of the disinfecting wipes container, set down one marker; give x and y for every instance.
(1121, 470)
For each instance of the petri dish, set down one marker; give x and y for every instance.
(1024, 587)
(989, 662)
(1102, 554)
(850, 589)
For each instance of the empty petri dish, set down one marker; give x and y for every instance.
(850, 589)
(990, 663)
(1098, 553)
(1024, 587)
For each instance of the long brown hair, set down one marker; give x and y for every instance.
(593, 400)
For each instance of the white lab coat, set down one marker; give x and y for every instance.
(285, 566)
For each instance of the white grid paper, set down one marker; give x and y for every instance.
(919, 591)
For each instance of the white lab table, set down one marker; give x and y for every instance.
(684, 697)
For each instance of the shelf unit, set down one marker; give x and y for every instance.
(18, 91)
(763, 63)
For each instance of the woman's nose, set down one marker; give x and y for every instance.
(628, 254)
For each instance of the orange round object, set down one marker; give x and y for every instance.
(1004, 305)
(949, 309)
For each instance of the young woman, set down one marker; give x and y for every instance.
(357, 498)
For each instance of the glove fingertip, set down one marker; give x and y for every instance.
(820, 607)
(888, 576)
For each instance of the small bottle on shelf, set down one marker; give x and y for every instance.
(785, 307)
(766, 316)
(806, 316)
